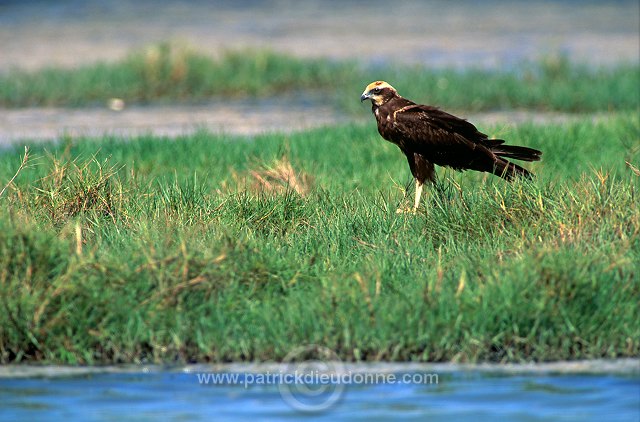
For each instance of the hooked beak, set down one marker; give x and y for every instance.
(364, 96)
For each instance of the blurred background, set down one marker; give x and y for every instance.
(436, 33)
(492, 35)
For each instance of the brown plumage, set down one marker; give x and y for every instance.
(428, 136)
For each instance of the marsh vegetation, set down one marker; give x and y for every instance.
(216, 248)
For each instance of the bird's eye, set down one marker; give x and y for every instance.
(376, 90)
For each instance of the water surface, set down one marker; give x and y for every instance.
(492, 33)
(460, 394)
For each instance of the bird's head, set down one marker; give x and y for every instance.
(379, 92)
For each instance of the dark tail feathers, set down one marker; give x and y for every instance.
(516, 152)
(508, 170)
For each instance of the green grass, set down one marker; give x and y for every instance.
(194, 249)
(169, 73)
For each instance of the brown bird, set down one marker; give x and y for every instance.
(428, 136)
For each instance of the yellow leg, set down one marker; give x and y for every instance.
(416, 203)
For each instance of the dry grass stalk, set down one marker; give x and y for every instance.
(280, 177)
(633, 168)
(23, 164)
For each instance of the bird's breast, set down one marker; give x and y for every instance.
(385, 121)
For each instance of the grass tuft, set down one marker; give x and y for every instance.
(76, 187)
(280, 177)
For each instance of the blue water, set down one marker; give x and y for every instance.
(462, 396)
